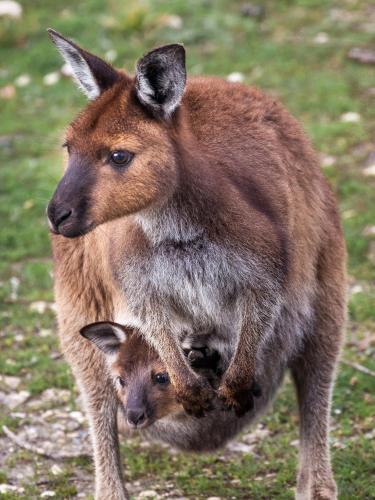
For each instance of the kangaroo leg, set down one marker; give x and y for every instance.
(101, 410)
(314, 373)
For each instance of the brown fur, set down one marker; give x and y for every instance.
(242, 169)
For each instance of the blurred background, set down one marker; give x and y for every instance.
(318, 57)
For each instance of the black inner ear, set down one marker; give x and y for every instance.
(104, 74)
(153, 76)
(103, 337)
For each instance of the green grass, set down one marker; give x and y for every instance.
(316, 81)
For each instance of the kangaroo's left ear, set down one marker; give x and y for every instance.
(161, 79)
(92, 74)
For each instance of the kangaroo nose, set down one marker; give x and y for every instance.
(57, 216)
(136, 417)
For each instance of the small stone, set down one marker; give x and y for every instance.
(328, 161)
(51, 78)
(8, 92)
(14, 399)
(148, 494)
(213, 498)
(9, 488)
(14, 285)
(56, 470)
(252, 10)
(235, 77)
(369, 171)
(111, 55)
(350, 117)
(47, 494)
(295, 443)
(240, 447)
(78, 416)
(12, 382)
(321, 38)
(22, 80)
(172, 21)
(369, 231)
(10, 9)
(45, 332)
(66, 70)
(39, 306)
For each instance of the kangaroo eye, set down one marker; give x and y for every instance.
(162, 378)
(120, 158)
(121, 381)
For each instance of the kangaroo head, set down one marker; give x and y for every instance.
(141, 382)
(121, 147)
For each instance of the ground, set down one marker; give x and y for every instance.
(296, 50)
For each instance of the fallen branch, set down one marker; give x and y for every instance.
(39, 451)
(358, 367)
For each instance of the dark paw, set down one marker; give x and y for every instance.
(241, 400)
(196, 396)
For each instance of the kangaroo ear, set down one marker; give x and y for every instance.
(161, 79)
(105, 335)
(92, 74)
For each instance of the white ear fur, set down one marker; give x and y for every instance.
(80, 69)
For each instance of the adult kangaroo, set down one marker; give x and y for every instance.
(196, 209)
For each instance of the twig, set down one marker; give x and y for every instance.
(39, 451)
(358, 367)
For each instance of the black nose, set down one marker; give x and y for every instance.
(136, 416)
(58, 215)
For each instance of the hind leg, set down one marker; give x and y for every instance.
(314, 373)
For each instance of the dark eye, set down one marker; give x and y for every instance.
(120, 158)
(161, 378)
(66, 146)
(121, 381)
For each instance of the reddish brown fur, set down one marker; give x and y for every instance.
(255, 179)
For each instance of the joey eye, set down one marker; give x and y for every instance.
(120, 158)
(161, 378)
(65, 145)
(121, 381)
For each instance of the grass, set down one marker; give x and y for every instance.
(278, 53)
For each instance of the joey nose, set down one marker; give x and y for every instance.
(136, 417)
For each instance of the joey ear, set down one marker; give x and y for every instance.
(161, 79)
(92, 74)
(105, 335)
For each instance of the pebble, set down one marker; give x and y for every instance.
(235, 77)
(47, 494)
(9, 488)
(10, 9)
(7, 92)
(148, 494)
(369, 171)
(240, 447)
(66, 70)
(56, 470)
(22, 80)
(350, 117)
(12, 382)
(321, 38)
(14, 399)
(51, 78)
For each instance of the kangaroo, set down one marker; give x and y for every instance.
(197, 207)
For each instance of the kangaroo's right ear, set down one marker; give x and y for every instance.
(92, 74)
(105, 335)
